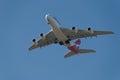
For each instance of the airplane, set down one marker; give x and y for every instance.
(63, 36)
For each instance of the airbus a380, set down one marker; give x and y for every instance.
(63, 36)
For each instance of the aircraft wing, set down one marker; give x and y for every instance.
(49, 39)
(81, 51)
(83, 33)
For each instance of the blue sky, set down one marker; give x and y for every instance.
(23, 20)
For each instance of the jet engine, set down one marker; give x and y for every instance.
(90, 30)
(42, 36)
(74, 29)
(34, 41)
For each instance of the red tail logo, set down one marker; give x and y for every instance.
(75, 48)
(78, 42)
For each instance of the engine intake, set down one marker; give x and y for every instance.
(74, 29)
(35, 42)
(42, 36)
(90, 30)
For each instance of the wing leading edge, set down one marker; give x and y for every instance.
(83, 33)
(49, 39)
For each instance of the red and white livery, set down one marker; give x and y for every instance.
(63, 36)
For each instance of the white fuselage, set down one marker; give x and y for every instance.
(55, 27)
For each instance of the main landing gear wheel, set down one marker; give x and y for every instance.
(61, 43)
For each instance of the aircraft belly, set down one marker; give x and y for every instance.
(58, 33)
(60, 36)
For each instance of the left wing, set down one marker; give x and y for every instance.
(72, 34)
(49, 39)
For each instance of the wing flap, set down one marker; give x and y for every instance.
(81, 51)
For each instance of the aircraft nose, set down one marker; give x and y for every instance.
(46, 17)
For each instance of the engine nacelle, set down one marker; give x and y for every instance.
(74, 29)
(90, 30)
(35, 42)
(42, 36)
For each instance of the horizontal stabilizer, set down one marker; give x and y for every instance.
(81, 51)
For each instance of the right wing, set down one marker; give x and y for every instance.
(83, 33)
(49, 39)
(81, 51)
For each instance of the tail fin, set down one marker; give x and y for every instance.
(81, 51)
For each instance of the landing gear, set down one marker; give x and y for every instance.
(55, 41)
(61, 43)
(66, 42)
